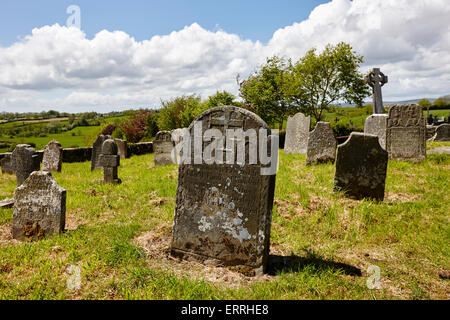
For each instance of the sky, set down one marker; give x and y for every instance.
(132, 54)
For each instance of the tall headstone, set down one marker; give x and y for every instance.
(7, 164)
(297, 132)
(122, 146)
(406, 133)
(223, 210)
(39, 207)
(52, 159)
(376, 124)
(97, 151)
(25, 160)
(361, 166)
(110, 160)
(321, 144)
(162, 147)
(442, 133)
(376, 79)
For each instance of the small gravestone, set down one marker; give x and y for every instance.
(376, 124)
(406, 133)
(431, 131)
(39, 207)
(122, 146)
(297, 132)
(110, 160)
(321, 144)
(162, 147)
(97, 151)
(361, 166)
(52, 159)
(25, 160)
(376, 79)
(7, 164)
(223, 207)
(442, 133)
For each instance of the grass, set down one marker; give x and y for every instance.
(118, 236)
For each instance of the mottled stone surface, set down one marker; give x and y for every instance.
(431, 131)
(110, 160)
(406, 133)
(297, 132)
(7, 164)
(122, 146)
(321, 144)
(223, 212)
(163, 146)
(442, 133)
(177, 138)
(97, 151)
(52, 159)
(361, 166)
(376, 124)
(39, 208)
(25, 160)
(376, 79)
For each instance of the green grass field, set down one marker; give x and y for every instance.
(119, 238)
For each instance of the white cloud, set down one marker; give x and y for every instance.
(408, 40)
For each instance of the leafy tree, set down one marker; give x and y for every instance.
(439, 103)
(220, 99)
(425, 104)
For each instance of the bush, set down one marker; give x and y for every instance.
(108, 130)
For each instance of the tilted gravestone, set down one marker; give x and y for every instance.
(97, 151)
(442, 133)
(110, 160)
(162, 147)
(321, 144)
(7, 164)
(39, 207)
(361, 166)
(52, 159)
(25, 160)
(376, 124)
(297, 132)
(406, 133)
(122, 146)
(224, 201)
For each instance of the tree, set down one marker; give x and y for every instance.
(316, 81)
(223, 98)
(439, 103)
(425, 104)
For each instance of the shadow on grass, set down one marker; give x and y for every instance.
(287, 264)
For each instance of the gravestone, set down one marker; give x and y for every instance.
(376, 124)
(7, 164)
(177, 138)
(297, 132)
(223, 210)
(162, 147)
(361, 166)
(110, 160)
(376, 79)
(442, 133)
(97, 151)
(321, 144)
(122, 146)
(431, 131)
(52, 159)
(39, 207)
(406, 133)
(25, 160)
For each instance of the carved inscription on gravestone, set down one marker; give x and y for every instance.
(223, 211)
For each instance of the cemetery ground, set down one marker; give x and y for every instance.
(322, 243)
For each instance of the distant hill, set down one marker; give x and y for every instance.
(391, 103)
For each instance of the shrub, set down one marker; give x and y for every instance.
(108, 130)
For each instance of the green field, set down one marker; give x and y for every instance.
(119, 238)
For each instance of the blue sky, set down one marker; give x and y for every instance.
(133, 54)
(252, 19)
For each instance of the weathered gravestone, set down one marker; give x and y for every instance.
(7, 164)
(442, 133)
(361, 166)
(297, 132)
(25, 160)
(162, 147)
(431, 131)
(177, 138)
(321, 144)
(376, 124)
(110, 160)
(376, 79)
(39, 208)
(52, 159)
(223, 210)
(97, 151)
(122, 146)
(406, 133)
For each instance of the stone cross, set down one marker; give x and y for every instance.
(376, 79)
(110, 160)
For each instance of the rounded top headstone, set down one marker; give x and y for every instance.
(110, 147)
